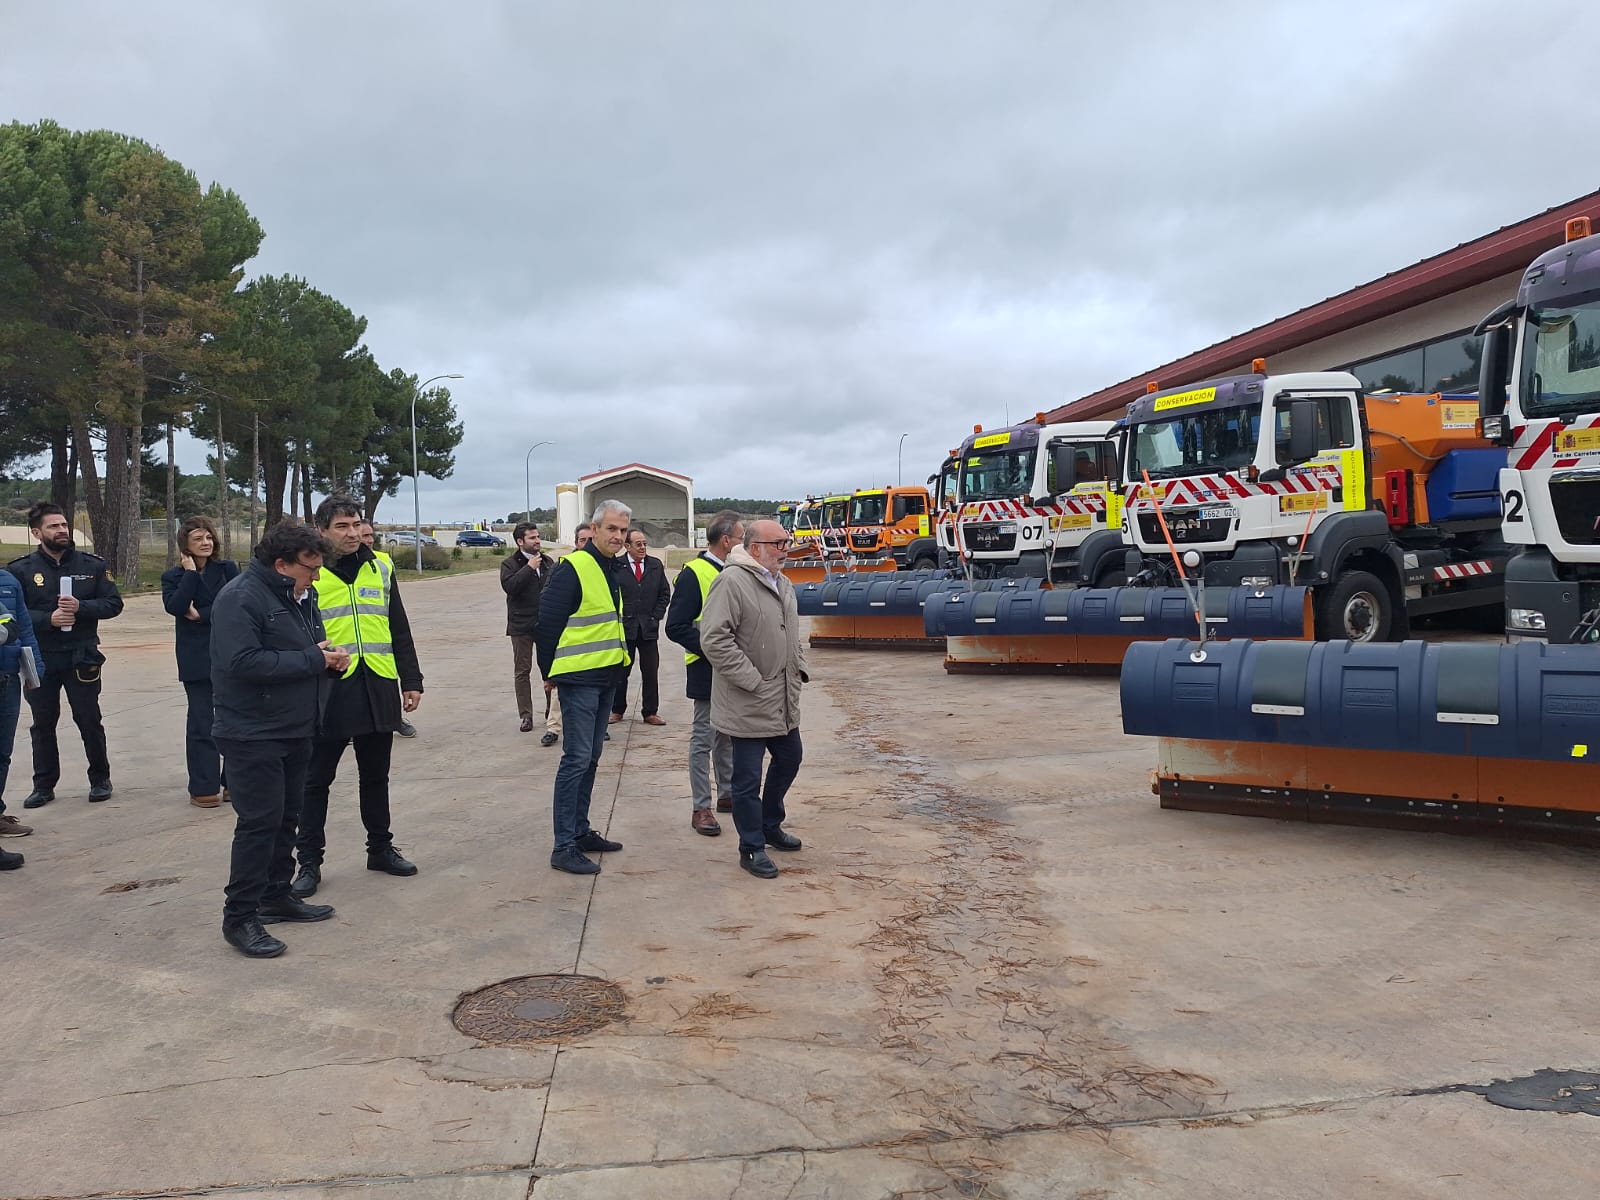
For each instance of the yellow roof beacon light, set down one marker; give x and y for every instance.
(1258, 366)
(1151, 387)
(1578, 227)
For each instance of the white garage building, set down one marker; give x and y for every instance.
(662, 502)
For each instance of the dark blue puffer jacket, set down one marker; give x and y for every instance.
(16, 626)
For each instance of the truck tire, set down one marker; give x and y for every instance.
(925, 563)
(1357, 608)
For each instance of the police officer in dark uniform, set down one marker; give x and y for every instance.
(66, 622)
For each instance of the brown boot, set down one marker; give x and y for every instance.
(705, 821)
(724, 804)
(205, 801)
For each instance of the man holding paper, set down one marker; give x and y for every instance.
(68, 592)
(19, 666)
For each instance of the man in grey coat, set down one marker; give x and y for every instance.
(750, 634)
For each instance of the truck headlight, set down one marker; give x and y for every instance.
(1525, 618)
(1256, 581)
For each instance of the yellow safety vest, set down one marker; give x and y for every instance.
(355, 616)
(592, 637)
(707, 574)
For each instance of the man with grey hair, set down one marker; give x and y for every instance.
(580, 644)
(708, 749)
(751, 634)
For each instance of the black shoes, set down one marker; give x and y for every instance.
(407, 729)
(549, 739)
(573, 862)
(292, 908)
(99, 793)
(38, 798)
(758, 864)
(594, 843)
(779, 840)
(249, 939)
(9, 861)
(307, 881)
(526, 726)
(388, 859)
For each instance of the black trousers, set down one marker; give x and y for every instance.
(266, 780)
(83, 696)
(199, 749)
(648, 656)
(373, 751)
(758, 808)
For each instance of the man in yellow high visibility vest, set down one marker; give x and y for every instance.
(580, 643)
(724, 531)
(359, 601)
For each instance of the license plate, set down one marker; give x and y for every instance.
(1220, 511)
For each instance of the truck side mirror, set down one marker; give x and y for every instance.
(1494, 371)
(1302, 431)
(1063, 465)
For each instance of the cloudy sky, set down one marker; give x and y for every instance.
(755, 243)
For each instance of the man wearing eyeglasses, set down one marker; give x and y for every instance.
(750, 633)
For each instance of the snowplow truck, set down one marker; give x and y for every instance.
(894, 522)
(1036, 501)
(1540, 387)
(1385, 505)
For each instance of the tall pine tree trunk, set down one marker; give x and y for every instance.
(226, 548)
(294, 488)
(255, 476)
(128, 564)
(61, 492)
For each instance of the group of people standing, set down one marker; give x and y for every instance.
(732, 610)
(308, 650)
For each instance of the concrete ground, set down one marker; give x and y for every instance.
(997, 969)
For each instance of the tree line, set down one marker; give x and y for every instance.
(123, 320)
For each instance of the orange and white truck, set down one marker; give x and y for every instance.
(894, 522)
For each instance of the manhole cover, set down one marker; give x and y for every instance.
(539, 1008)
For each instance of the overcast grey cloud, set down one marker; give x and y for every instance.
(755, 243)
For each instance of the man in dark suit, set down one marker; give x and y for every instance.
(645, 594)
(523, 575)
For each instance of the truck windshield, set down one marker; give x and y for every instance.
(867, 510)
(947, 486)
(806, 518)
(1223, 439)
(1561, 360)
(786, 519)
(997, 476)
(834, 513)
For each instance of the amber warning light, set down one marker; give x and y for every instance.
(1577, 228)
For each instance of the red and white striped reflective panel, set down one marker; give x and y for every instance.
(1215, 489)
(1463, 570)
(1012, 510)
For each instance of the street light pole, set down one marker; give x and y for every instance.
(416, 499)
(897, 450)
(527, 480)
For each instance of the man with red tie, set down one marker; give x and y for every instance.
(645, 593)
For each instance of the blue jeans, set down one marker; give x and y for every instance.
(10, 709)
(585, 712)
(758, 810)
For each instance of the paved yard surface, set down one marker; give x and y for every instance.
(996, 970)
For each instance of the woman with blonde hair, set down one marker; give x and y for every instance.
(187, 592)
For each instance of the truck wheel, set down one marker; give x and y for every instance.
(925, 563)
(1358, 608)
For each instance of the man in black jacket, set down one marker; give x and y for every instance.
(66, 622)
(643, 581)
(580, 644)
(269, 674)
(359, 599)
(724, 531)
(523, 575)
